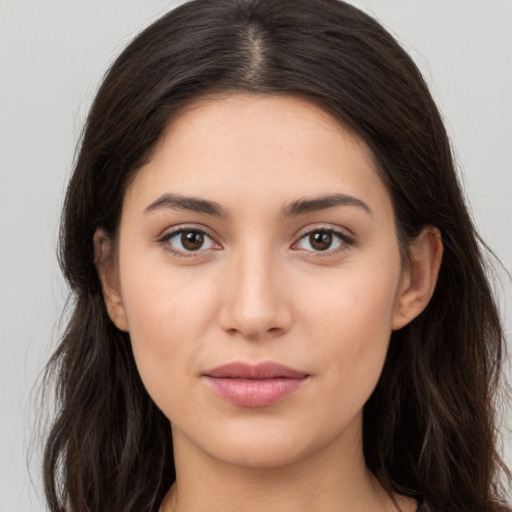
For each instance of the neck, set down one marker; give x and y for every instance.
(333, 479)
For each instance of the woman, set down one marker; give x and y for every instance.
(262, 205)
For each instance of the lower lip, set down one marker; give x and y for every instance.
(254, 392)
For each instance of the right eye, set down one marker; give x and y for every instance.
(184, 241)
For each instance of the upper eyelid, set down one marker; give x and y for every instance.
(343, 232)
(174, 230)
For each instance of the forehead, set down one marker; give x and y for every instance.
(256, 148)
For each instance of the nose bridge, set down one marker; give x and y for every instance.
(254, 304)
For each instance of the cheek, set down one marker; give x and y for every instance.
(352, 322)
(167, 317)
(163, 302)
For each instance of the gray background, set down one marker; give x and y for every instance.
(52, 56)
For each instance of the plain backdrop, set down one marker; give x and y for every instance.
(52, 57)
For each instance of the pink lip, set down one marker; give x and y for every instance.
(258, 385)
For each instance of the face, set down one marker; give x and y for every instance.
(259, 276)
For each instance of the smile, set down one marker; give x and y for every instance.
(259, 385)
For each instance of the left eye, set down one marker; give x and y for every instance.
(321, 240)
(189, 240)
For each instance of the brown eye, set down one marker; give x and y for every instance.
(324, 240)
(186, 241)
(192, 240)
(320, 240)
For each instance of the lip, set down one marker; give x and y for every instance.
(260, 385)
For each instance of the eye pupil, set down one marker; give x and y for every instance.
(192, 240)
(320, 240)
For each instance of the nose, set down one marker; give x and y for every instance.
(255, 303)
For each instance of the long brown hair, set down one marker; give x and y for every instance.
(429, 426)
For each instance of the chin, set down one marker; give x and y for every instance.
(262, 453)
(265, 443)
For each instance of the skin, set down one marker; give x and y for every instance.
(259, 290)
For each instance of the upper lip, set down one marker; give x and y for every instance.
(265, 370)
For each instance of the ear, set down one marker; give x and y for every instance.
(104, 258)
(419, 280)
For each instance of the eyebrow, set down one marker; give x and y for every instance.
(303, 206)
(179, 202)
(295, 209)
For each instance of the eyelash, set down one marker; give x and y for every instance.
(344, 240)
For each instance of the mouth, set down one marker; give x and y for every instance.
(260, 385)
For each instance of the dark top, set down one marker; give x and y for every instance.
(423, 507)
